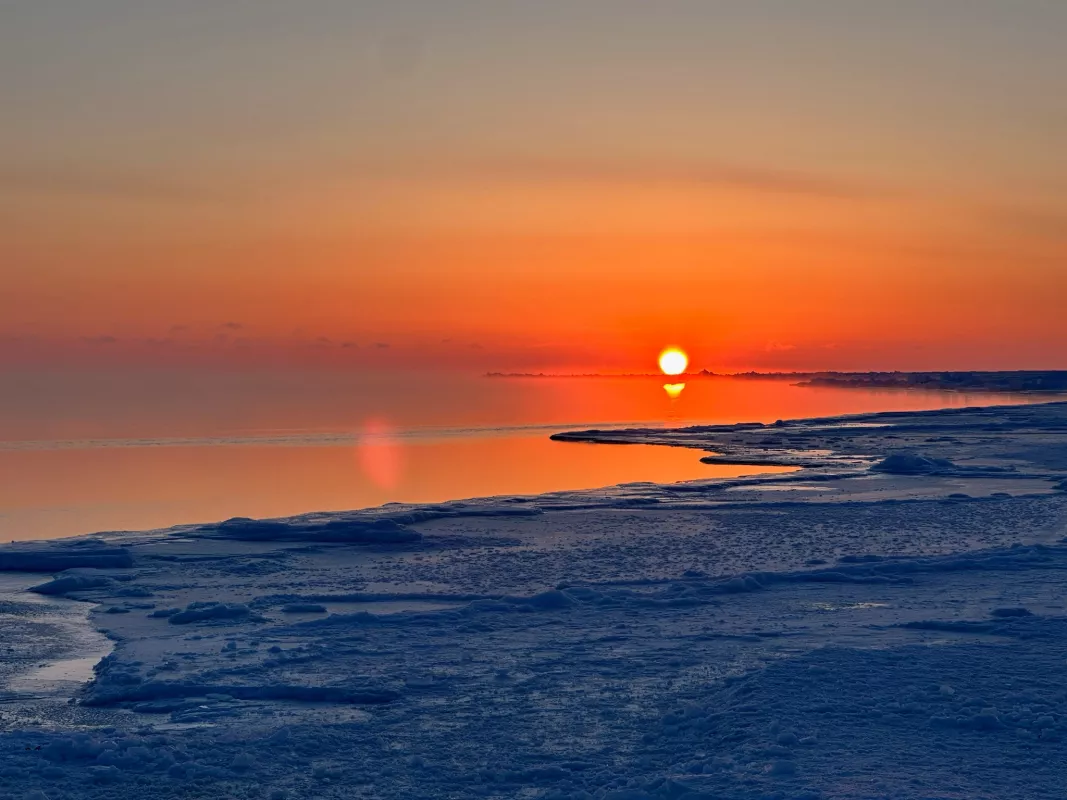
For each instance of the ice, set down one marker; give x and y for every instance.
(1010, 612)
(883, 633)
(62, 555)
(73, 583)
(304, 608)
(912, 464)
(209, 611)
(243, 761)
(377, 531)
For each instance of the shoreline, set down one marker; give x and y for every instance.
(734, 637)
(137, 482)
(1023, 382)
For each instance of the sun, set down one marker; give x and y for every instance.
(673, 361)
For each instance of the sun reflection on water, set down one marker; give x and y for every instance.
(673, 390)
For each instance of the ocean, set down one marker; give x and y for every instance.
(82, 452)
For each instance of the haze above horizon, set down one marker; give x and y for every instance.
(551, 186)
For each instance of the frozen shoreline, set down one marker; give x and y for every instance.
(755, 637)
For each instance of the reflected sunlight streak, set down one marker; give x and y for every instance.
(673, 390)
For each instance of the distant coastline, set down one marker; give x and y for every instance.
(986, 381)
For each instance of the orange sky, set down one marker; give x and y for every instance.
(523, 187)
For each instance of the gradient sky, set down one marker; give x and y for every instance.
(534, 184)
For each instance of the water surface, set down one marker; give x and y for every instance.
(82, 452)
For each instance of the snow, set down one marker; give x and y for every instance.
(304, 608)
(912, 464)
(56, 556)
(337, 529)
(883, 633)
(209, 611)
(73, 583)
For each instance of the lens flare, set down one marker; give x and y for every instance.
(673, 361)
(380, 455)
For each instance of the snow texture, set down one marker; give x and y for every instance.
(61, 555)
(912, 464)
(887, 622)
(332, 530)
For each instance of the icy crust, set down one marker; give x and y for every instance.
(376, 531)
(67, 584)
(748, 687)
(87, 552)
(115, 684)
(913, 464)
(839, 632)
(385, 525)
(862, 440)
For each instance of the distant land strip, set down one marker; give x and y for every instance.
(1007, 381)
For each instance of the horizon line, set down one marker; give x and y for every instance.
(706, 373)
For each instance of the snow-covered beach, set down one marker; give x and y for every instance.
(887, 621)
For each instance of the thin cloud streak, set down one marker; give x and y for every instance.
(53, 179)
(770, 179)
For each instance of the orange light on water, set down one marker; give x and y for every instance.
(673, 390)
(380, 454)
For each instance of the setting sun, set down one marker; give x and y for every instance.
(673, 361)
(392, 275)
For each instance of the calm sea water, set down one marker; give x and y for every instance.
(84, 452)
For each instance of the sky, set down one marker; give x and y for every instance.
(527, 185)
